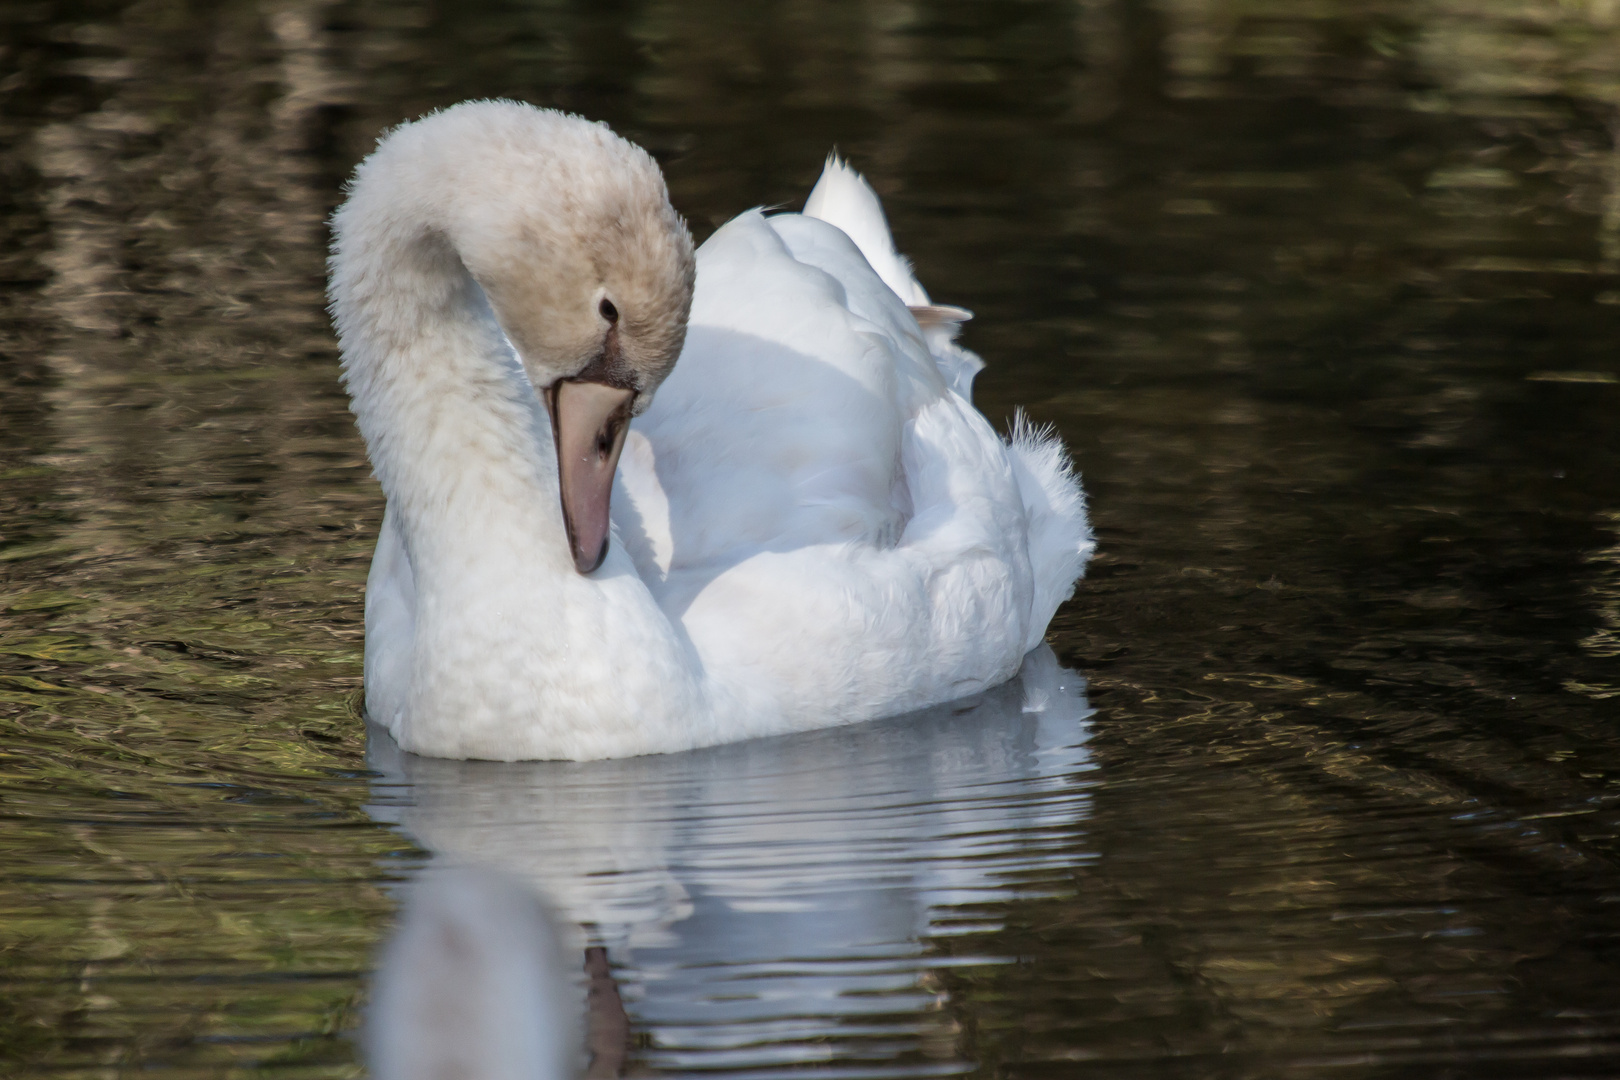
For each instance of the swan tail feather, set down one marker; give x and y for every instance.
(1060, 538)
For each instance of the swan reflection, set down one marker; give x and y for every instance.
(473, 984)
(770, 903)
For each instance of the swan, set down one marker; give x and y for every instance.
(590, 550)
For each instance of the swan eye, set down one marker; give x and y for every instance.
(609, 312)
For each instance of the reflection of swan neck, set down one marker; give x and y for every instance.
(473, 985)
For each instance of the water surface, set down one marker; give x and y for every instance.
(1324, 298)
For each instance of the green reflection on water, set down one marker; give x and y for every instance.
(1323, 294)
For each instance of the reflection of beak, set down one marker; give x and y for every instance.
(589, 421)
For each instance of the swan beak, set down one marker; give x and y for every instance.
(589, 421)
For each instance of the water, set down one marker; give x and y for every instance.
(794, 900)
(1322, 296)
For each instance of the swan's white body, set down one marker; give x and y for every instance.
(812, 524)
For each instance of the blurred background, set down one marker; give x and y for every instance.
(1323, 296)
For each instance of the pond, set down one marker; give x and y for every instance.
(1320, 772)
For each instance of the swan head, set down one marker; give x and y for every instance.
(569, 231)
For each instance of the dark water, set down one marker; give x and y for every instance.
(1323, 296)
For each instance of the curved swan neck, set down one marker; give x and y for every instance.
(448, 416)
(484, 242)
(506, 650)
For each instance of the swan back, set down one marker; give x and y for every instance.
(782, 426)
(1060, 538)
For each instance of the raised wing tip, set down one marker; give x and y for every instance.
(840, 168)
(841, 192)
(843, 198)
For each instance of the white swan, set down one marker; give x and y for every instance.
(813, 526)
